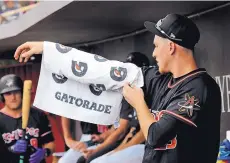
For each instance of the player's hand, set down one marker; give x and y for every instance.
(80, 146)
(26, 50)
(19, 147)
(96, 138)
(88, 152)
(70, 142)
(38, 156)
(133, 95)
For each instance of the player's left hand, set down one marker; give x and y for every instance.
(88, 152)
(38, 156)
(133, 95)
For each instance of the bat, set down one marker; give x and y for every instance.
(26, 102)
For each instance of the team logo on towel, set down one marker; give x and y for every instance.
(60, 79)
(99, 58)
(118, 74)
(63, 49)
(97, 89)
(79, 68)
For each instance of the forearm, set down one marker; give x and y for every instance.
(115, 136)
(66, 127)
(136, 139)
(145, 118)
(106, 134)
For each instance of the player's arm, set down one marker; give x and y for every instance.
(115, 135)
(70, 142)
(66, 131)
(46, 135)
(138, 138)
(50, 146)
(99, 138)
(45, 138)
(118, 133)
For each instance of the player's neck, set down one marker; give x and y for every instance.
(183, 67)
(15, 113)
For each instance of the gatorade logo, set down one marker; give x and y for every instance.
(62, 48)
(60, 79)
(97, 89)
(99, 58)
(118, 74)
(79, 68)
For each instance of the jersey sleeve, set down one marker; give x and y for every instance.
(46, 134)
(188, 102)
(126, 110)
(162, 132)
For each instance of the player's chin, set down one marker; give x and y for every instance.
(162, 70)
(15, 106)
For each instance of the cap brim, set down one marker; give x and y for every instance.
(150, 26)
(11, 89)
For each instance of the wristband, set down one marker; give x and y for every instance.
(48, 152)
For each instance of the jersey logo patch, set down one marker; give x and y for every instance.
(18, 133)
(189, 105)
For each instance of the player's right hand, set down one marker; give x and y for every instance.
(19, 147)
(96, 138)
(26, 50)
(70, 142)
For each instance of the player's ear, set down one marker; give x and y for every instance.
(172, 47)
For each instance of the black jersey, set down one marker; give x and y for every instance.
(188, 118)
(129, 113)
(126, 110)
(38, 132)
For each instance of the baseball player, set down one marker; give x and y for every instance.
(39, 139)
(185, 101)
(183, 125)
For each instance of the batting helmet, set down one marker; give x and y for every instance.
(10, 83)
(138, 59)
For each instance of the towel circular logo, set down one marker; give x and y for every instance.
(99, 58)
(63, 49)
(60, 79)
(97, 89)
(118, 74)
(79, 68)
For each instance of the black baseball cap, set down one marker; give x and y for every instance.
(177, 28)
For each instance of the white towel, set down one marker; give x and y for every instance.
(82, 86)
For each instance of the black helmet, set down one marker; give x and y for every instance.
(10, 83)
(138, 59)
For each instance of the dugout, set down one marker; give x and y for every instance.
(113, 29)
